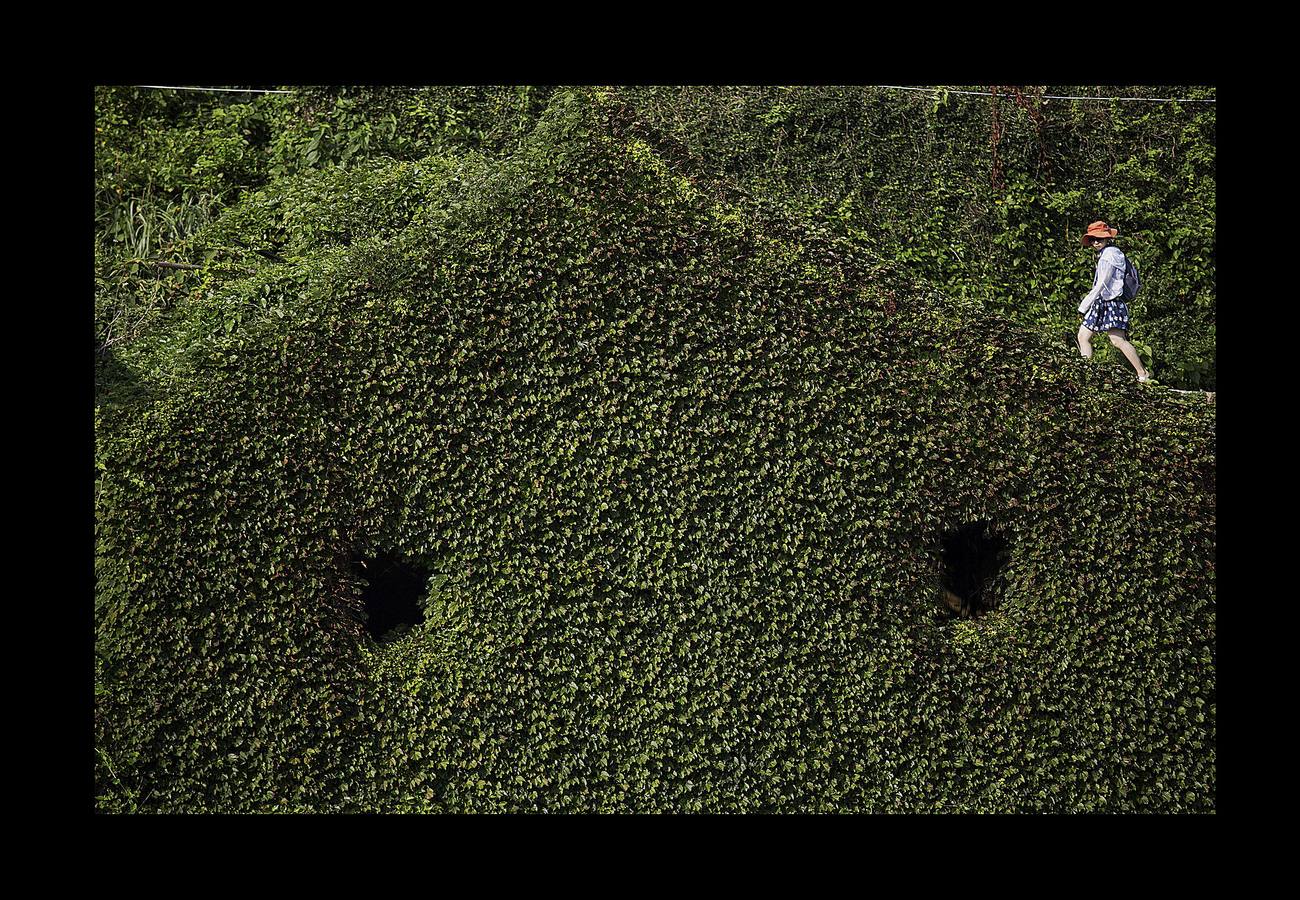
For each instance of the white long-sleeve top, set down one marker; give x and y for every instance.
(1108, 282)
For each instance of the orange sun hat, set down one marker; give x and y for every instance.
(1098, 230)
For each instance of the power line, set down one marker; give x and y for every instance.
(896, 87)
(167, 87)
(890, 87)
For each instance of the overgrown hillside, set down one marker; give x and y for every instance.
(682, 469)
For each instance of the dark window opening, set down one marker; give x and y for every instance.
(969, 564)
(392, 594)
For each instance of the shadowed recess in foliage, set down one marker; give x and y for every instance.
(970, 562)
(393, 595)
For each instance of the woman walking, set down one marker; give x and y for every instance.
(1104, 308)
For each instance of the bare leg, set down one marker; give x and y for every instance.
(1120, 340)
(1085, 341)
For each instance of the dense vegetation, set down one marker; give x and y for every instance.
(984, 197)
(679, 444)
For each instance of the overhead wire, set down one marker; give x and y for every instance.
(168, 87)
(942, 90)
(890, 87)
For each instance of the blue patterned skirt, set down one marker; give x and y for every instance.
(1107, 314)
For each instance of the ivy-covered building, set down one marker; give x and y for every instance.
(572, 479)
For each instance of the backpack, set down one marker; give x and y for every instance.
(1131, 280)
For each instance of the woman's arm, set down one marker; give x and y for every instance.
(1097, 284)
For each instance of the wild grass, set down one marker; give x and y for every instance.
(131, 234)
